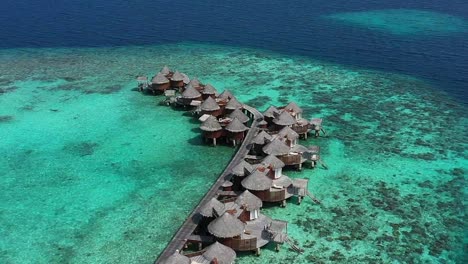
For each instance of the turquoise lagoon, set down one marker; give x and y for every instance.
(94, 172)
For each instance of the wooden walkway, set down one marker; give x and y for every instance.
(187, 228)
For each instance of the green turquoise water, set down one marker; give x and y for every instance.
(94, 172)
(404, 21)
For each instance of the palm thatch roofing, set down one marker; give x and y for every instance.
(239, 115)
(233, 104)
(212, 208)
(209, 105)
(276, 147)
(241, 168)
(262, 138)
(273, 161)
(226, 94)
(236, 126)
(209, 89)
(292, 106)
(190, 93)
(195, 82)
(176, 258)
(222, 253)
(211, 124)
(299, 149)
(226, 226)
(159, 79)
(249, 201)
(271, 112)
(284, 119)
(177, 76)
(165, 70)
(287, 132)
(257, 181)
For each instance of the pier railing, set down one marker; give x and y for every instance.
(188, 227)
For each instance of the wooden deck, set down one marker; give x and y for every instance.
(187, 228)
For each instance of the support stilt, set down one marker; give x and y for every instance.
(214, 142)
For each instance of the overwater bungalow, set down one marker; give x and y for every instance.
(233, 104)
(212, 129)
(216, 253)
(166, 71)
(289, 136)
(188, 96)
(177, 80)
(239, 115)
(210, 107)
(236, 131)
(294, 110)
(195, 83)
(283, 152)
(212, 209)
(283, 119)
(260, 140)
(239, 172)
(209, 91)
(250, 204)
(226, 95)
(176, 258)
(160, 83)
(270, 114)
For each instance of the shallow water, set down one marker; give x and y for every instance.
(98, 173)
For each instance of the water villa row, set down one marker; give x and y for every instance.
(229, 218)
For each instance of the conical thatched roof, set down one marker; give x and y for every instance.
(165, 70)
(249, 200)
(211, 124)
(273, 161)
(276, 147)
(226, 226)
(224, 254)
(195, 82)
(236, 126)
(176, 258)
(209, 105)
(262, 138)
(292, 106)
(284, 119)
(271, 111)
(212, 208)
(190, 93)
(257, 181)
(209, 89)
(299, 148)
(287, 132)
(177, 76)
(159, 79)
(241, 168)
(226, 94)
(239, 115)
(233, 104)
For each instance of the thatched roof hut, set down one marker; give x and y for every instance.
(236, 126)
(159, 79)
(209, 89)
(284, 119)
(239, 115)
(241, 168)
(271, 112)
(262, 138)
(177, 76)
(209, 105)
(195, 82)
(233, 104)
(213, 208)
(249, 201)
(276, 147)
(190, 93)
(176, 258)
(165, 70)
(273, 162)
(211, 124)
(288, 133)
(257, 181)
(293, 107)
(226, 226)
(226, 94)
(222, 253)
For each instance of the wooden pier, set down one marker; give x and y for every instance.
(189, 226)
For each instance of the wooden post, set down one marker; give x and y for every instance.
(257, 251)
(199, 246)
(214, 142)
(277, 247)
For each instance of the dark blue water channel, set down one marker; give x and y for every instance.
(293, 27)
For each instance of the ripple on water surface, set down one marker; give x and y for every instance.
(98, 173)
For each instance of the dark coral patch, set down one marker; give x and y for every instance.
(81, 149)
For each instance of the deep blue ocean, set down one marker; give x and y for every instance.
(291, 27)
